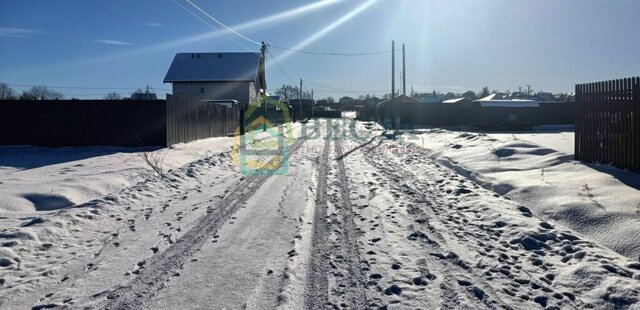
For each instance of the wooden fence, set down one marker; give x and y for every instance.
(54, 123)
(608, 123)
(189, 119)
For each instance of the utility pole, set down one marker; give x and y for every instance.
(393, 69)
(404, 74)
(263, 81)
(263, 91)
(312, 103)
(300, 95)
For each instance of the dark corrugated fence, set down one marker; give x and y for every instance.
(471, 114)
(327, 114)
(608, 123)
(83, 123)
(190, 119)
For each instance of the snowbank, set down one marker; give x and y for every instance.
(62, 208)
(46, 179)
(598, 201)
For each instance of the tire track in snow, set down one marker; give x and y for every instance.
(451, 267)
(163, 266)
(473, 290)
(317, 295)
(355, 285)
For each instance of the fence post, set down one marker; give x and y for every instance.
(576, 138)
(169, 120)
(241, 121)
(635, 108)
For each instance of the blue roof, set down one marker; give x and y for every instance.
(207, 67)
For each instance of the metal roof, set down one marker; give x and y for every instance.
(456, 100)
(397, 100)
(209, 67)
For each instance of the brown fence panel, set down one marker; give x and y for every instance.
(189, 119)
(608, 123)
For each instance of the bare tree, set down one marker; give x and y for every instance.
(112, 96)
(41, 93)
(6, 92)
(155, 161)
(485, 92)
(292, 92)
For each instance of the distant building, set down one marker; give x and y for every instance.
(457, 101)
(498, 110)
(397, 101)
(496, 96)
(393, 111)
(448, 95)
(275, 98)
(436, 98)
(216, 76)
(544, 96)
(345, 100)
(471, 95)
(146, 95)
(429, 99)
(521, 95)
(302, 107)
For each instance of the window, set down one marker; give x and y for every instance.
(202, 90)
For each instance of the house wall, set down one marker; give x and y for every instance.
(244, 92)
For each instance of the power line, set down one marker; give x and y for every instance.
(329, 53)
(281, 47)
(342, 90)
(279, 67)
(223, 25)
(335, 89)
(208, 24)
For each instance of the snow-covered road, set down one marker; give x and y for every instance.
(361, 220)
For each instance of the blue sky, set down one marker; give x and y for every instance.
(451, 45)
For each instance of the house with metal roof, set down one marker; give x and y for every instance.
(461, 100)
(217, 76)
(498, 111)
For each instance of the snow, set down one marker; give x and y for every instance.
(455, 100)
(558, 138)
(499, 100)
(361, 219)
(45, 179)
(538, 170)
